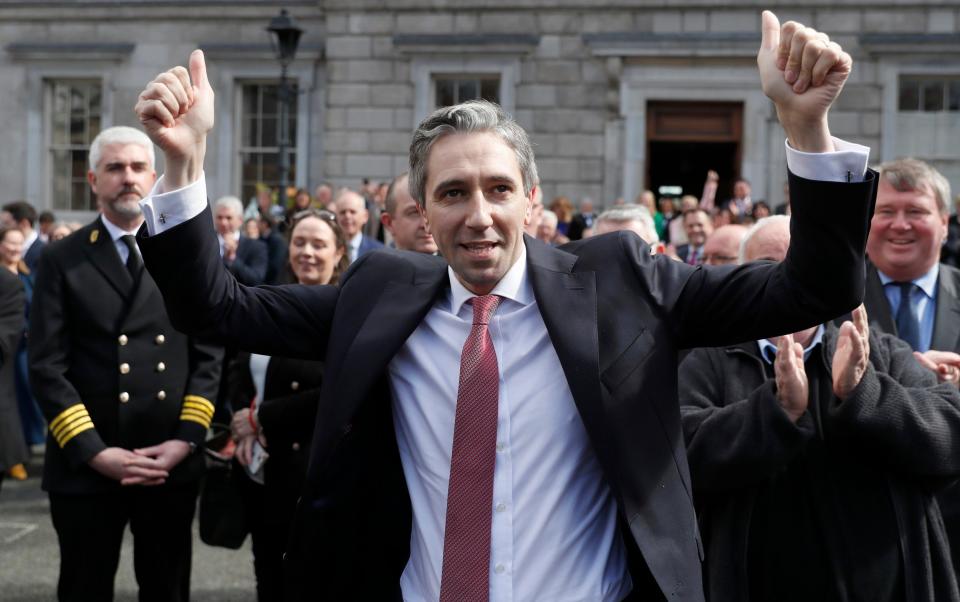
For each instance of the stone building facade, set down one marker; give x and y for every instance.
(618, 96)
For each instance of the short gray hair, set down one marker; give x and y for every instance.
(760, 224)
(468, 117)
(910, 174)
(231, 202)
(119, 134)
(632, 213)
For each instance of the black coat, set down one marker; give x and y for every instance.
(898, 422)
(250, 265)
(103, 354)
(616, 316)
(13, 449)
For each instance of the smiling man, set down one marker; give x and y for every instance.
(402, 218)
(502, 423)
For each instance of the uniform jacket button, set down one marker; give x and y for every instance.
(160, 339)
(295, 446)
(294, 385)
(122, 339)
(161, 367)
(124, 397)
(124, 368)
(161, 395)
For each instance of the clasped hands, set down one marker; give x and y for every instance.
(146, 466)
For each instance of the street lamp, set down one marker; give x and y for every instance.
(284, 37)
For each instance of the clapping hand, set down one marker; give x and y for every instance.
(945, 364)
(852, 354)
(793, 390)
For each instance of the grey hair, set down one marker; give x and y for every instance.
(550, 216)
(468, 117)
(632, 213)
(911, 174)
(231, 202)
(760, 224)
(119, 134)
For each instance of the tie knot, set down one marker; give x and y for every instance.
(483, 308)
(130, 241)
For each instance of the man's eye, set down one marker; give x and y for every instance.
(452, 194)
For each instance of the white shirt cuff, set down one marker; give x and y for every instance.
(162, 211)
(848, 163)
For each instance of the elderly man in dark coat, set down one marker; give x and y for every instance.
(814, 460)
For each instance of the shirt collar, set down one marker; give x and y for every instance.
(769, 350)
(927, 282)
(34, 234)
(116, 232)
(514, 285)
(354, 243)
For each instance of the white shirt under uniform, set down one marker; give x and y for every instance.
(554, 534)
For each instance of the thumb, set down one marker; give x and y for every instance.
(924, 361)
(198, 69)
(770, 26)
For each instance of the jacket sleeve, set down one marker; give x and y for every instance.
(202, 298)
(900, 416)
(250, 268)
(69, 423)
(11, 318)
(733, 443)
(822, 276)
(196, 413)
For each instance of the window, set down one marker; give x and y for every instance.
(929, 94)
(451, 90)
(73, 109)
(260, 133)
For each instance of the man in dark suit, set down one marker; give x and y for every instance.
(906, 236)
(246, 258)
(555, 466)
(127, 396)
(582, 221)
(352, 215)
(697, 225)
(22, 215)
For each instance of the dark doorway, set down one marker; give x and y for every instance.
(686, 139)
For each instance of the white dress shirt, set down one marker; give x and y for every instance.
(353, 246)
(553, 533)
(116, 233)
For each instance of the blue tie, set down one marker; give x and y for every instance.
(908, 327)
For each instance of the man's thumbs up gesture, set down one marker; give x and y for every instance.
(177, 115)
(802, 72)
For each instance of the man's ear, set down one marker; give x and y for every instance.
(387, 220)
(426, 221)
(92, 180)
(528, 214)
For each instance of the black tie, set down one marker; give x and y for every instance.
(908, 326)
(134, 262)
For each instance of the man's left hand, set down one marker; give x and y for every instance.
(168, 454)
(852, 355)
(802, 72)
(945, 364)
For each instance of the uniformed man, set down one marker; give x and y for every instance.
(127, 397)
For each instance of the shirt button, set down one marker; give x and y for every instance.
(124, 368)
(161, 395)
(161, 367)
(294, 385)
(160, 339)
(499, 569)
(122, 339)
(501, 447)
(295, 446)
(501, 507)
(124, 397)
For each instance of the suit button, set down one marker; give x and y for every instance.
(124, 397)
(161, 367)
(294, 385)
(161, 395)
(122, 339)
(295, 446)
(124, 368)
(160, 339)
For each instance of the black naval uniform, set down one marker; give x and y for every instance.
(108, 369)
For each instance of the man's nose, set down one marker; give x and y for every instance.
(479, 212)
(900, 221)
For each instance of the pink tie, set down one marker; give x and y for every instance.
(466, 542)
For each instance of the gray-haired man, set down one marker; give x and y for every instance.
(553, 468)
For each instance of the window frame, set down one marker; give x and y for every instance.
(50, 146)
(239, 148)
(424, 72)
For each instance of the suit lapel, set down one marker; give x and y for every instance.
(876, 304)
(946, 323)
(103, 255)
(568, 305)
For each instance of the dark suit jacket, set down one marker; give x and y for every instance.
(616, 316)
(103, 352)
(250, 265)
(13, 449)
(368, 244)
(31, 256)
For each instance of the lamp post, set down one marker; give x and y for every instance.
(284, 37)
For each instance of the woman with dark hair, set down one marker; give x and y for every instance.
(301, 202)
(275, 404)
(13, 448)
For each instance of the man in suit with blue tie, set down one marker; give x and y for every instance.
(553, 467)
(352, 215)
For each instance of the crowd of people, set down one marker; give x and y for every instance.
(438, 387)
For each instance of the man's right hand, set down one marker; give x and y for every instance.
(127, 467)
(792, 386)
(178, 115)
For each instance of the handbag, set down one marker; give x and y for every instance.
(223, 521)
